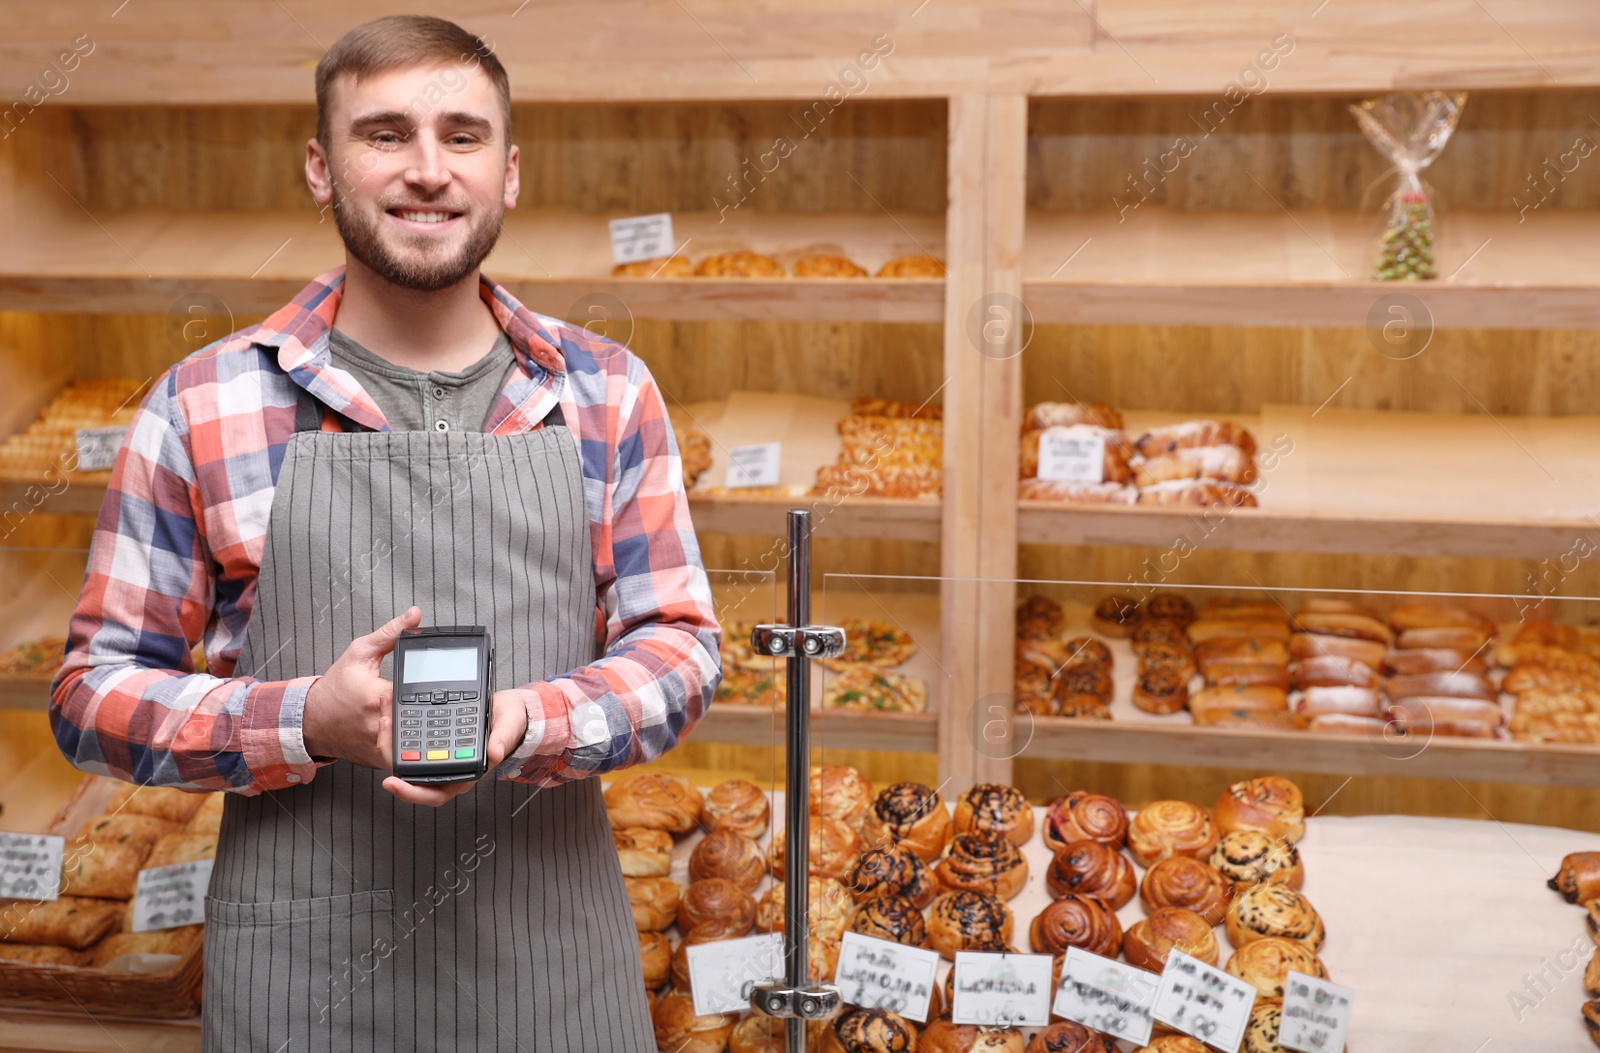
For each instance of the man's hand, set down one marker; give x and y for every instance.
(349, 709)
(507, 726)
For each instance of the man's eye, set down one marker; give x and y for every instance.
(386, 138)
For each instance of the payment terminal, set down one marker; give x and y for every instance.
(442, 686)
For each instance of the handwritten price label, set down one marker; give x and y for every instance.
(1316, 1014)
(881, 974)
(30, 866)
(97, 448)
(1106, 995)
(1002, 990)
(641, 237)
(1072, 455)
(754, 465)
(1203, 1001)
(166, 897)
(721, 974)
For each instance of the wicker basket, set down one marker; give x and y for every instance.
(167, 995)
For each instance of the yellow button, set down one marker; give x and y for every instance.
(438, 754)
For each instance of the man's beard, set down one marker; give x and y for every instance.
(428, 274)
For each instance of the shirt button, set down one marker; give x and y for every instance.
(441, 425)
(438, 393)
(293, 777)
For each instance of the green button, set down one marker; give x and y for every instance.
(464, 753)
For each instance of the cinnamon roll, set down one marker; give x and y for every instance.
(1266, 963)
(1274, 910)
(1086, 651)
(1079, 921)
(1163, 829)
(1249, 857)
(834, 848)
(828, 908)
(911, 814)
(840, 792)
(729, 855)
(1149, 940)
(959, 921)
(658, 800)
(1271, 804)
(1184, 882)
(1117, 616)
(1039, 616)
(1091, 868)
(1578, 879)
(1158, 632)
(643, 852)
(720, 904)
(654, 901)
(1169, 606)
(1175, 1044)
(893, 871)
(738, 806)
(1261, 1033)
(1174, 657)
(1067, 1036)
(1084, 816)
(989, 806)
(1082, 684)
(655, 955)
(943, 1035)
(1161, 691)
(983, 860)
(869, 1031)
(892, 918)
(678, 1028)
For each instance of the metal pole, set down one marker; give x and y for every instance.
(796, 865)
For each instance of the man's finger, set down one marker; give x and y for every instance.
(380, 641)
(433, 796)
(507, 731)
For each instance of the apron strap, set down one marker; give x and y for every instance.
(308, 413)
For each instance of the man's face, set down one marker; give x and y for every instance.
(418, 171)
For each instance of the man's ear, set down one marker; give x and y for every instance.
(513, 177)
(319, 176)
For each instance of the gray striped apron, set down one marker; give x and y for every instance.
(342, 919)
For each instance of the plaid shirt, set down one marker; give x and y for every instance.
(178, 546)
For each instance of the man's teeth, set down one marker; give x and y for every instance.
(425, 217)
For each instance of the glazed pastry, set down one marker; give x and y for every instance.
(658, 800)
(643, 852)
(1161, 691)
(869, 1031)
(1329, 605)
(1066, 1036)
(1091, 868)
(1578, 879)
(1261, 1033)
(678, 1028)
(943, 1035)
(1222, 651)
(1206, 703)
(1151, 631)
(1217, 717)
(959, 921)
(759, 1033)
(893, 871)
(1116, 616)
(1331, 670)
(1076, 921)
(1265, 964)
(654, 901)
(1149, 940)
(655, 953)
(1184, 882)
(718, 903)
(70, 921)
(161, 802)
(1084, 816)
(1191, 433)
(893, 918)
(1239, 608)
(988, 806)
(985, 861)
(738, 806)
(739, 265)
(725, 854)
(1270, 804)
(841, 792)
(1436, 660)
(1356, 626)
(1449, 636)
(1163, 829)
(1448, 684)
(655, 267)
(1309, 645)
(834, 848)
(1340, 701)
(1273, 910)
(1236, 628)
(911, 814)
(828, 908)
(1249, 857)
(136, 832)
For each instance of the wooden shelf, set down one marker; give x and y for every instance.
(77, 1033)
(760, 726)
(893, 518)
(24, 694)
(556, 263)
(1367, 481)
(1158, 266)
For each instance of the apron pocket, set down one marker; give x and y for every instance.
(315, 973)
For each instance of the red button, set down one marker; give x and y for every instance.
(411, 755)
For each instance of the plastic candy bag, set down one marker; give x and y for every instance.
(1410, 129)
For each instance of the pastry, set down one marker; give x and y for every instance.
(1448, 684)
(658, 800)
(70, 921)
(1191, 433)
(828, 908)
(182, 847)
(1078, 688)
(868, 1031)
(1437, 660)
(1086, 651)
(1196, 493)
(1578, 878)
(1472, 640)
(1174, 1044)
(1591, 974)
(989, 806)
(654, 901)
(1242, 674)
(984, 860)
(1149, 940)
(825, 266)
(108, 870)
(138, 832)
(1591, 1019)
(163, 802)
(1228, 464)
(1074, 920)
(1031, 687)
(738, 265)
(1273, 910)
(1591, 920)
(718, 903)
(1356, 626)
(1066, 1036)
(867, 688)
(841, 792)
(1189, 883)
(872, 641)
(1065, 414)
(1446, 715)
(1311, 645)
(643, 852)
(208, 818)
(1176, 657)
(1151, 631)
(729, 855)
(959, 921)
(738, 806)
(1271, 804)
(1265, 964)
(655, 955)
(1084, 816)
(179, 941)
(833, 848)
(893, 918)
(1531, 677)
(1249, 857)
(1340, 701)
(922, 480)
(680, 1030)
(1117, 616)
(1432, 616)
(1169, 606)
(1040, 617)
(912, 815)
(872, 406)
(655, 267)
(1217, 717)
(944, 1035)
(893, 870)
(912, 267)
(1331, 671)
(1222, 651)
(1214, 628)
(1161, 691)
(1115, 451)
(1077, 493)
(41, 954)
(1163, 829)
(748, 687)
(1261, 1032)
(1091, 868)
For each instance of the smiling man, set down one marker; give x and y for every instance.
(402, 445)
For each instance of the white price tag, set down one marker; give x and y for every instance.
(166, 897)
(30, 866)
(1316, 1014)
(97, 448)
(1106, 995)
(754, 465)
(721, 974)
(882, 974)
(641, 237)
(1203, 1001)
(1002, 990)
(1072, 455)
